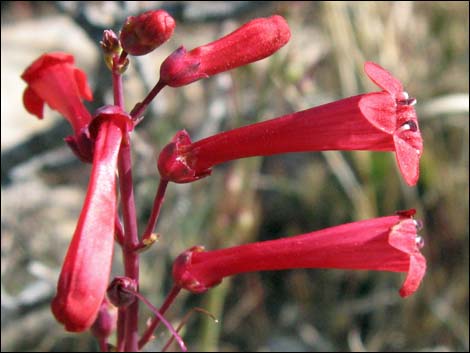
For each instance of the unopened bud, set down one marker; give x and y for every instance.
(105, 322)
(121, 291)
(142, 34)
(110, 42)
(110, 46)
(251, 42)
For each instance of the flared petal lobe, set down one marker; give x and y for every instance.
(87, 265)
(392, 111)
(403, 237)
(383, 79)
(54, 79)
(380, 244)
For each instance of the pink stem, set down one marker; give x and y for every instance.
(161, 318)
(118, 231)
(131, 239)
(131, 258)
(157, 205)
(139, 109)
(156, 320)
(118, 91)
(121, 325)
(103, 342)
(184, 321)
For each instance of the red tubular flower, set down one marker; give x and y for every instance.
(85, 272)
(142, 34)
(251, 42)
(381, 244)
(379, 121)
(54, 79)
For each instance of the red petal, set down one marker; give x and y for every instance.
(415, 275)
(383, 78)
(408, 154)
(87, 265)
(403, 237)
(380, 110)
(407, 213)
(45, 61)
(82, 83)
(33, 103)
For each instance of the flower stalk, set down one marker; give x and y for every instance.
(157, 205)
(147, 336)
(131, 240)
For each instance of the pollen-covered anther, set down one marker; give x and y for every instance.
(418, 224)
(419, 241)
(406, 100)
(409, 125)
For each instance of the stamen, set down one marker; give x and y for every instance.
(407, 101)
(405, 127)
(412, 125)
(419, 241)
(409, 125)
(418, 224)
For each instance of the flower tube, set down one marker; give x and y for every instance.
(251, 42)
(85, 272)
(379, 121)
(380, 244)
(54, 79)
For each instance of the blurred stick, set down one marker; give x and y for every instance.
(457, 103)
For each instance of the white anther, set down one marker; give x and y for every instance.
(405, 127)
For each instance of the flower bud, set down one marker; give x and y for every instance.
(106, 320)
(110, 43)
(253, 41)
(118, 294)
(142, 34)
(111, 47)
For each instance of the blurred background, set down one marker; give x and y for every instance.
(424, 44)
